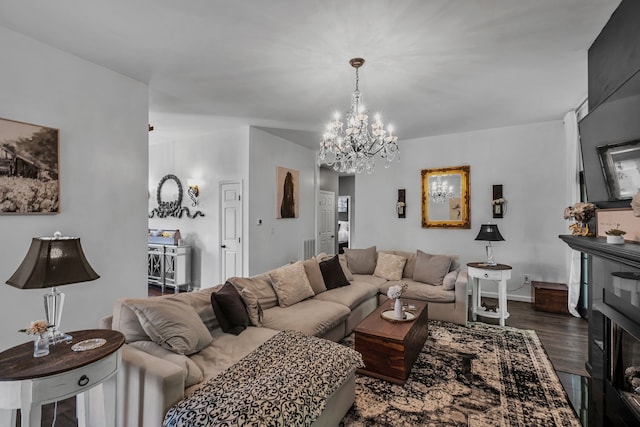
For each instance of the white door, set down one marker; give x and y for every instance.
(230, 230)
(327, 221)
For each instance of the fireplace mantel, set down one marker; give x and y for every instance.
(628, 253)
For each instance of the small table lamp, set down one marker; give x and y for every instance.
(50, 262)
(490, 233)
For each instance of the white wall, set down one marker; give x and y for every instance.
(278, 241)
(102, 117)
(527, 160)
(210, 158)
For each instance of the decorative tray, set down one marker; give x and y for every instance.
(390, 316)
(89, 344)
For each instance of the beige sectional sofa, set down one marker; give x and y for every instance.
(154, 377)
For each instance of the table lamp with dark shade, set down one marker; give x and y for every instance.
(489, 233)
(51, 262)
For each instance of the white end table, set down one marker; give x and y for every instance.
(27, 382)
(499, 273)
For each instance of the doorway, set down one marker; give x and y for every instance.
(344, 223)
(230, 229)
(327, 221)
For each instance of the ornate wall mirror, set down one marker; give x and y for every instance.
(169, 195)
(445, 198)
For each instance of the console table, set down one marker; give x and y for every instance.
(499, 273)
(169, 265)
(27, 382)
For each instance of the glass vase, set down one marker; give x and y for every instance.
(40, 345)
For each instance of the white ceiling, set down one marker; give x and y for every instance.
(432, 66)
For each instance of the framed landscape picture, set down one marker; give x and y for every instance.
(29, 168)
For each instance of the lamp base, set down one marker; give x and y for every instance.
(53, 303)
(490, 260)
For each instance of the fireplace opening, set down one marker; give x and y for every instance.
(625, 366)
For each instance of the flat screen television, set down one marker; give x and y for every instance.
(610, 144)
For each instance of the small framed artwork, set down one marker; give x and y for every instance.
(287, 193)
(622, 219)
(29, 168)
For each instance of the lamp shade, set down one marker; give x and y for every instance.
(53, 261)
(489, 233)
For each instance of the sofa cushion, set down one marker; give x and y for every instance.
(261, 287)
(254, 309)
(449, 281)
(361, 261)
(332, 273)
(291, 284)
(230, 309)
(226, 350)
(311, 317)
(172, 324)
(369, 278)
(200, 300)
(350, 296)
(421, 291)
(431, 268)
(126, 320)
(389, 266)
(193, 373)
(345, 267)
(410, 264)
(314, 275)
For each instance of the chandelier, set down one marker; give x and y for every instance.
(354, 148)
(440, 191)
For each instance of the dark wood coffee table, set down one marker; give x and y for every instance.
(389, 349)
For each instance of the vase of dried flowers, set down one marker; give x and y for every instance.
(582, 213)
(40, 331)
(395, 292)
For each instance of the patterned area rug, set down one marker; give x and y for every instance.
(478, 376)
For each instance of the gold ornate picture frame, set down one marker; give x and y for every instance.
(446, 197)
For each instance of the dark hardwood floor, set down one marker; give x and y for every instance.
(564, 338)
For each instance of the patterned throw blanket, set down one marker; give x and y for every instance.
(284, 382)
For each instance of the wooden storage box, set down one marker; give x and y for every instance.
(550, 297)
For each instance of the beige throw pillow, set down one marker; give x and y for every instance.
(345, 268)
(361, 261)
(314, 275)
(172, 324)
(254, 310)
(260, 286)
(431, 268)
(389, 266)
(449, 281)
(291, 284)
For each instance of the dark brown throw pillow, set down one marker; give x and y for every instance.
(332, 273)
(230, 309)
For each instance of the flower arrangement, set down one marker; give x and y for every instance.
(37, 327)
(615, 231)
(581, 211)
(396, 291)
(499, 201)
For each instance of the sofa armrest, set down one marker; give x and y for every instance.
(147, 387)
(462, 296)
(105, 322)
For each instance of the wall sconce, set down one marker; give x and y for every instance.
(401, 206)
(193, 191)
(498, 203)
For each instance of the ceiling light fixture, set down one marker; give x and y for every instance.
(355, 148)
